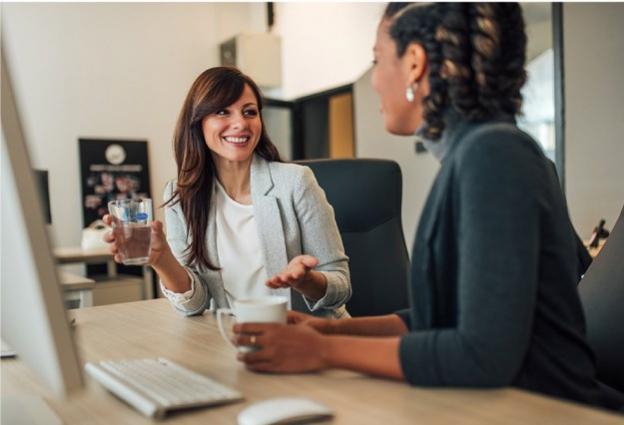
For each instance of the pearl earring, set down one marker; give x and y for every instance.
(409, 93)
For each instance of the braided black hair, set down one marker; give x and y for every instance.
(476, 55)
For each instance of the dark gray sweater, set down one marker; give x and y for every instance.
(494, 271)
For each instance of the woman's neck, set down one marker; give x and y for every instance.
(235, 177)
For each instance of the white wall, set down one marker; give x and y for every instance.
(373, 141)
(108, 71)
(324, 45)
(594, 92)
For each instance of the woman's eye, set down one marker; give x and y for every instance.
(222, 112)
(251, 112)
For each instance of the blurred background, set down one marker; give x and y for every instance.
(120, 71)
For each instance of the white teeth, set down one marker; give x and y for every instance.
(236, 139)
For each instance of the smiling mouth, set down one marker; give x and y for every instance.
(240, 140)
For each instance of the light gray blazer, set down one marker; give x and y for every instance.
(293, 218)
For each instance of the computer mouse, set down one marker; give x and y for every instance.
(283, 411)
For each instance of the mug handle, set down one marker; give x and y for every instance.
(220, 313)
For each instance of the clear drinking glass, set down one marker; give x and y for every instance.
(132, 219)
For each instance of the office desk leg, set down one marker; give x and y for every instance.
(111, 268)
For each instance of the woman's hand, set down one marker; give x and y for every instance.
(299, 275)
(281, 348)
(323, 326)
(158, 242)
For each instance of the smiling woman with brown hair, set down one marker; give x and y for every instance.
(241, 223)
(494, 268)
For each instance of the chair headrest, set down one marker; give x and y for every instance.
(364, 192)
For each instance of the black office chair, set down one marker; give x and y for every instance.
(602, 294)
(366, 196)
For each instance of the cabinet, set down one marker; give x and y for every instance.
(77, 290)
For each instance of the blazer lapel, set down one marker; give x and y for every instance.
(268, 217)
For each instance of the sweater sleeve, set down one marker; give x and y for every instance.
(497, 235)
(404, 315)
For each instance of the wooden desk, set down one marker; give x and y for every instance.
(152, 328)
(70, 255)
(77, 287)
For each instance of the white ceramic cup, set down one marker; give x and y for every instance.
(269, 309)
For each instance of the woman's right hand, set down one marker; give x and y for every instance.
(158, 243)
(323, 326)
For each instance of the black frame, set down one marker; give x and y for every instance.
(557, 34)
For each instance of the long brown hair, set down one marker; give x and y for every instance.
(476, 53)
(214, 89)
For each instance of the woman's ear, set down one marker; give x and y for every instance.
(415, 63)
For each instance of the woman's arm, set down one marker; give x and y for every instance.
(389, 325)
(373, 356)
(321, 239)
(183, 286)
(287, 349)
(322, 273)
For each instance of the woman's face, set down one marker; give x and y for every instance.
(232, 133)
(390, 80)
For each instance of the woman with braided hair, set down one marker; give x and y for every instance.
(494, 268)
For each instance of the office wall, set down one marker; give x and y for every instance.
(372, 141)
(109, 71)
(594, 151)
(324, 45)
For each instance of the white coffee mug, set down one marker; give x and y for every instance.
(269, 309)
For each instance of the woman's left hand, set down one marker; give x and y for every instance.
(281, 348)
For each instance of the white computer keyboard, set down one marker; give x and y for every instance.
(156, 386)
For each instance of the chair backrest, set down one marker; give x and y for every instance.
(366, 197)
(602, 294)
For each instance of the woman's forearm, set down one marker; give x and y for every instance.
(388, 325)
(172, 274)
(373, 356)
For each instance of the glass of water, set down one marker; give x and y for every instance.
(132, 220)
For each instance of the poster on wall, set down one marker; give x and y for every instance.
(110, 170)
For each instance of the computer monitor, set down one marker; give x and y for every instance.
(34, 321)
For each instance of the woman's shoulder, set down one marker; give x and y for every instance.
(168, 193)
(496, 142)
(289, 174)
(170, 187)
(500, 157)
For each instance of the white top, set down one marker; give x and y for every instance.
(239, 248)
(240, 253)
